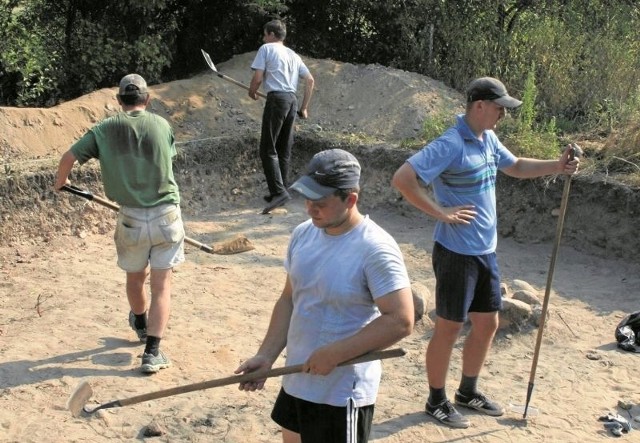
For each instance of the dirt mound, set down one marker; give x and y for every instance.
(380, 102)
(217, 126)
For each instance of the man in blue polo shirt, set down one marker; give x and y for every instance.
(461, 167)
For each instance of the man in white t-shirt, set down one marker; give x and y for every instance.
(347, 293)
(278, 69)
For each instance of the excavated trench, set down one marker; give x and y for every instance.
(225, 172)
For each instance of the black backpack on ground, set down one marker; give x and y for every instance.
(628, 333)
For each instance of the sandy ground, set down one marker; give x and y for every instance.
(63, 311)
(64, 320)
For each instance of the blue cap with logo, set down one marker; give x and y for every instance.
(327, 172)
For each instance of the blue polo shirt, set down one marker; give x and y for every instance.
(462, 170)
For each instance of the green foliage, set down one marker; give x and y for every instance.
(436, 124)
(528, 109)
(542, 144)
(112, 39)
(62, 49)
(524, 135)
(588, 54)
(27, 69)
(338, 29)
(223, 28)
(622, 149)
(540, 141)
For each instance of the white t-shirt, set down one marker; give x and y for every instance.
(282, 67)
(335, 281)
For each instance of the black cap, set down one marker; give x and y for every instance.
(489, 88)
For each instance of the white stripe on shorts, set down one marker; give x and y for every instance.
(352, 422)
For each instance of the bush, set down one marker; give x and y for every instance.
(528, 143)
(434, 126)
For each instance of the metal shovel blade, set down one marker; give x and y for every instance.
(234, 246)
(79, 397)
(227, 78)
(208, 60)
(521, 409)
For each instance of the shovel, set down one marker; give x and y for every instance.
(575, 150)
(207, 58)
(235, 246)
(78, 399)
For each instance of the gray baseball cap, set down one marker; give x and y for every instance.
(132, 84)
(327, 172)
(489, 88)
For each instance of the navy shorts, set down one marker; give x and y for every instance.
(319, 423)
(465, 283)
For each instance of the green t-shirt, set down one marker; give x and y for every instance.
(135, 150)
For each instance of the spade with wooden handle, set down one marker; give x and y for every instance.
(207, 58)
(575, 151)
(234, 246)
(78, 399)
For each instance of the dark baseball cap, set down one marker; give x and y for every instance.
(327, 172)
(132, 84)
(489, 88)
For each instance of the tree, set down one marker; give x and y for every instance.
(223, 28)
(59, 49)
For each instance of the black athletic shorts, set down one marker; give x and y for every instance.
(319, 423)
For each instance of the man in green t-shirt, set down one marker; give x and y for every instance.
(135, 149)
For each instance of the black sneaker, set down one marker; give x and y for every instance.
(447, 414)
(141, 333)
(480, 403)
(152, 363)
(276, 201)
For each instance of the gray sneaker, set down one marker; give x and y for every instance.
(142, 333)
(152, 363)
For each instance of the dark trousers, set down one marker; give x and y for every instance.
(276, 139)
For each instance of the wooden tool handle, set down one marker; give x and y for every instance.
(258, 375)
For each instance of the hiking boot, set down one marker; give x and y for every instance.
(152, 363)
(142, 333)
(480, 403)
(447, 414)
